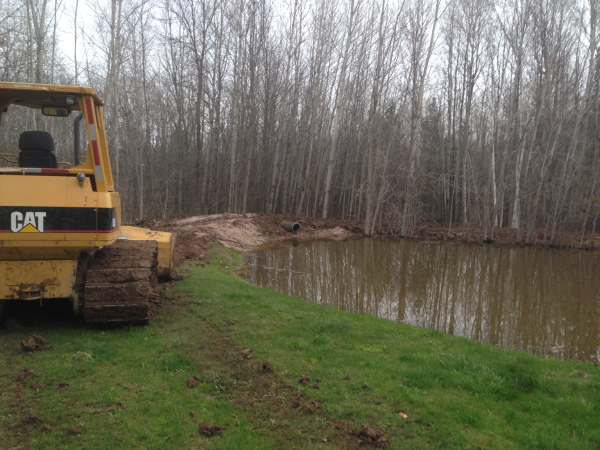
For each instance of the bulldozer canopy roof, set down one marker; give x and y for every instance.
(39, 95)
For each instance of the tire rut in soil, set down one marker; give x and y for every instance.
(120, 280)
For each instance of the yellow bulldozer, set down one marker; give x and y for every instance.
(60, 222)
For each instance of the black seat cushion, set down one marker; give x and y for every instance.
(36, 150)
(36, 140)
(37, 159)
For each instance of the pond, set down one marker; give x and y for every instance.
(544, 301)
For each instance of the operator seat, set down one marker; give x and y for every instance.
(37, 149)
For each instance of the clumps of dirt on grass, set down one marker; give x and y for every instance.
(63, 387)
(247, 353)
(110, 409)
(27, 374)
(373, 434)
(74, 430)
(46, 427)
(210, 429)
(35, 343)
(192, 382)
(582, 374)
(267, 367)
(312, 406)
(304, 380)
(297, 402)
(263, 395)
(32, 417)
(367, 434)
(39, 385)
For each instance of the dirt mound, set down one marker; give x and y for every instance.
(246, 232)
(35, 343)
(210, 429)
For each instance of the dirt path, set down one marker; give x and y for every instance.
(13, 402)
(276, 407)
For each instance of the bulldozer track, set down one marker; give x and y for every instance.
(119, 282)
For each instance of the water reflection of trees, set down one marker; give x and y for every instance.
(544, 301)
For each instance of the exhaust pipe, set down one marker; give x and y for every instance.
(291, 227)
(77, 137)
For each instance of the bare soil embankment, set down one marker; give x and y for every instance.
(246, 232)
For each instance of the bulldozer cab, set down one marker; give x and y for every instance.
(36, 148)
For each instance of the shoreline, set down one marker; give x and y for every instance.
(246, 232)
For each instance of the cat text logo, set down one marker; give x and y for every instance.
(30, 222)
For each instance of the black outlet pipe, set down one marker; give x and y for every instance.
(77, 137)
(292, 227)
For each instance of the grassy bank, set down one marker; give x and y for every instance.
(128, 387)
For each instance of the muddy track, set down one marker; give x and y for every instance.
(276, 407)
(13, 406)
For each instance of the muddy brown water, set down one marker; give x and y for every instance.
(544, 301)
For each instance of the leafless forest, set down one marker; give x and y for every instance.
(452, 111)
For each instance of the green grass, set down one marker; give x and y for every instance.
(121, 394)
(457, 393)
